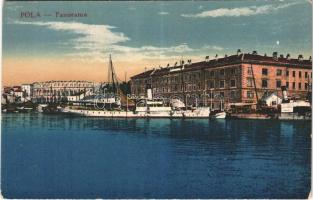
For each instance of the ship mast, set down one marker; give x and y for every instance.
(112, 79)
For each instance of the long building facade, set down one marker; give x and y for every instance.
(236, 79)
(58, 91)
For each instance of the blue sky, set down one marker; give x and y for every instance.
(161, 32)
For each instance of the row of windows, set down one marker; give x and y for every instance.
(65, 85)
(279, 72)
(222, 72)
(66, 92)
(190, 87)
(194, 76)
(232, 94)
(279, 84)
(211, 84)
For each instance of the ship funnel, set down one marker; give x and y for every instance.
(149, 93)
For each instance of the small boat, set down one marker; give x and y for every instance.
(41, 107)
(219, 115)
(51, 109)
(24, 109)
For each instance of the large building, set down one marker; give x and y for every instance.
(58, 91)
(242, 78)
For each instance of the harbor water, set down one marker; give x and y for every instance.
(57, 156)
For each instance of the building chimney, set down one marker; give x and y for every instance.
(300, 57)
(265, 55)
(275, 55)
(238, 52)
(254, 53)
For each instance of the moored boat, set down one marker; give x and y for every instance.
(218, 115)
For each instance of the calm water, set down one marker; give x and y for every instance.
(53, 156)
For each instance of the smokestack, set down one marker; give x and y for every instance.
(149, 92)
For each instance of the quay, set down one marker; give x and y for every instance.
(280, 116)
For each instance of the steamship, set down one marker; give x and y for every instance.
(124, 107)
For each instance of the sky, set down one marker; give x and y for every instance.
(143, 35)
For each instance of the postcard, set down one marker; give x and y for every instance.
(156, 99)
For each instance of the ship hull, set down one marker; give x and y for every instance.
(130, 114)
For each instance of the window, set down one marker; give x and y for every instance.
(222, 94)
(232, 71)
(278, 83)
(222, 84)
(211, 84)
(293, 85)
(232, 83)
(293, 74)
(222, 72)
(306, 86)
(299, 85)
(249, 94)
(264, 71)
(278, 72)
(211, 94)
(287, 85)
(212, 73)
(249, 82)
(300, 74)
(287, 73)
(249, 71)
(232, 94)
(264, 83)
(306, 74)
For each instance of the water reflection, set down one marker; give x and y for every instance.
(255, 131)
